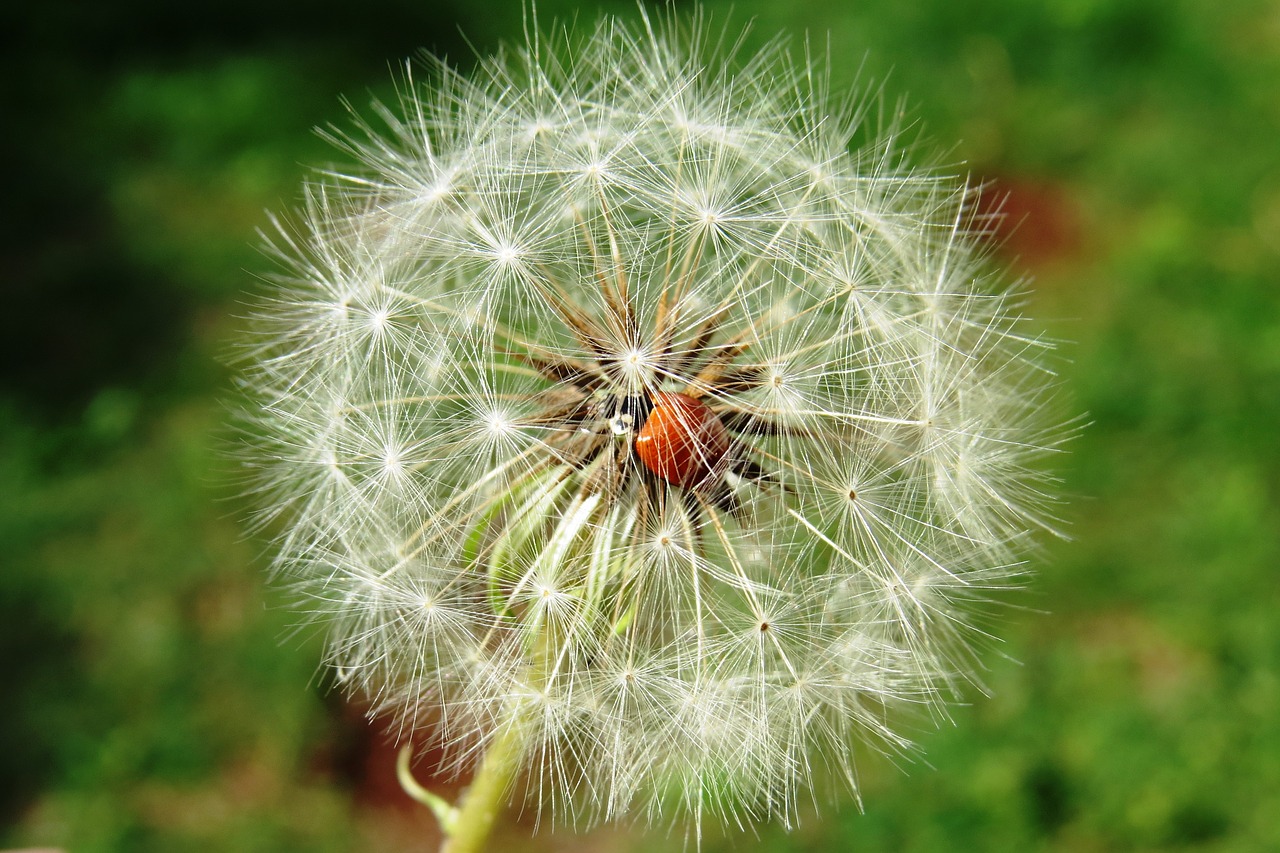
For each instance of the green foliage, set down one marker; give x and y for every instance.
(155, 697)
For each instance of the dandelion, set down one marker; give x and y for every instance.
(643, 428)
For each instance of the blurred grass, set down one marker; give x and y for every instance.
(155, 697)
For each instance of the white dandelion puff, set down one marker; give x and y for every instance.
(637, 412)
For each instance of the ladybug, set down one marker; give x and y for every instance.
(683, 441)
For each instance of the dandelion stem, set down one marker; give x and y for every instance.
(482, 802)
(473, 819)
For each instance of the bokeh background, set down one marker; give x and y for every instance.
(153, 693)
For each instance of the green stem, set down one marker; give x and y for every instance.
(444, 811)
(468, 826)
(483, 801)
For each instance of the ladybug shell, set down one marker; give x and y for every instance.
(682, 441)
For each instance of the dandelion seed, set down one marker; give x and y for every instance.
(629, 426)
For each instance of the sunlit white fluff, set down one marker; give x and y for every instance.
(582, 223)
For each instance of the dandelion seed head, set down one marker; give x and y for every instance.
(644, 395)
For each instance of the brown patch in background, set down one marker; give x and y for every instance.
(1033, 222)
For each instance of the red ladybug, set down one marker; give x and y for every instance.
(683, 441)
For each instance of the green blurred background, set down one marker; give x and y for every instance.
(154, 695)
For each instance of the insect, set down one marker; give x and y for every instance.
(683, 441)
